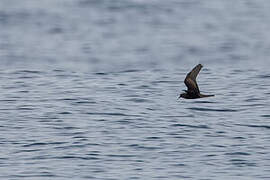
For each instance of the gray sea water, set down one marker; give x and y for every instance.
(88, 89)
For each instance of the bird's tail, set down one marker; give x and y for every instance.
(206, 95)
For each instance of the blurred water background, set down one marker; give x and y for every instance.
(89, 89)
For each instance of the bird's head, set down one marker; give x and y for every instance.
(183, 95)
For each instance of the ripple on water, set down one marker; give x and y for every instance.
(238, 154)
(139, 100)
(210, 109)
(206, 102)
(264, 76)
(112, 114)
(130, 71)
(242, 162)
(101, 73)
(191, 126)
(266, 115)
(253, 99)
(254, 126)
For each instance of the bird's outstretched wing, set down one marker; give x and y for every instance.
(190, 80)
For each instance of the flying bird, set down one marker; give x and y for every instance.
(193, 91)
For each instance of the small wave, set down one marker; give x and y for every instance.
(27, 72)
(101, 73)
(130, 71)
(58, 70)
(143, 87)
(179, 165)
(205, 102)
(264, 76)
(8, 100)
(255, 126)
(121, 155)
(138, 100)
(153, 138)
(85, 102)
(25, 109)
(217, 110)
(66, 99)
(241, 162)
(76, 157)
(27, 176)
(112, 114)
(171, 116)
(191, 126)
(266, 115)
(65, 112)
(238, 153)
(238, 137)
(253, 105)
(35, 144)
(27, 77)
(253, 99)
(43, 144)
(162, 82)
(66, 128)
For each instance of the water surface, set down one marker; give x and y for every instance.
(89, 90)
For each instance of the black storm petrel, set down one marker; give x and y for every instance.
(193, 91)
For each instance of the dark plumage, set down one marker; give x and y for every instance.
(193, 91)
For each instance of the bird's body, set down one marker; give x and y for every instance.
(193, 91)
